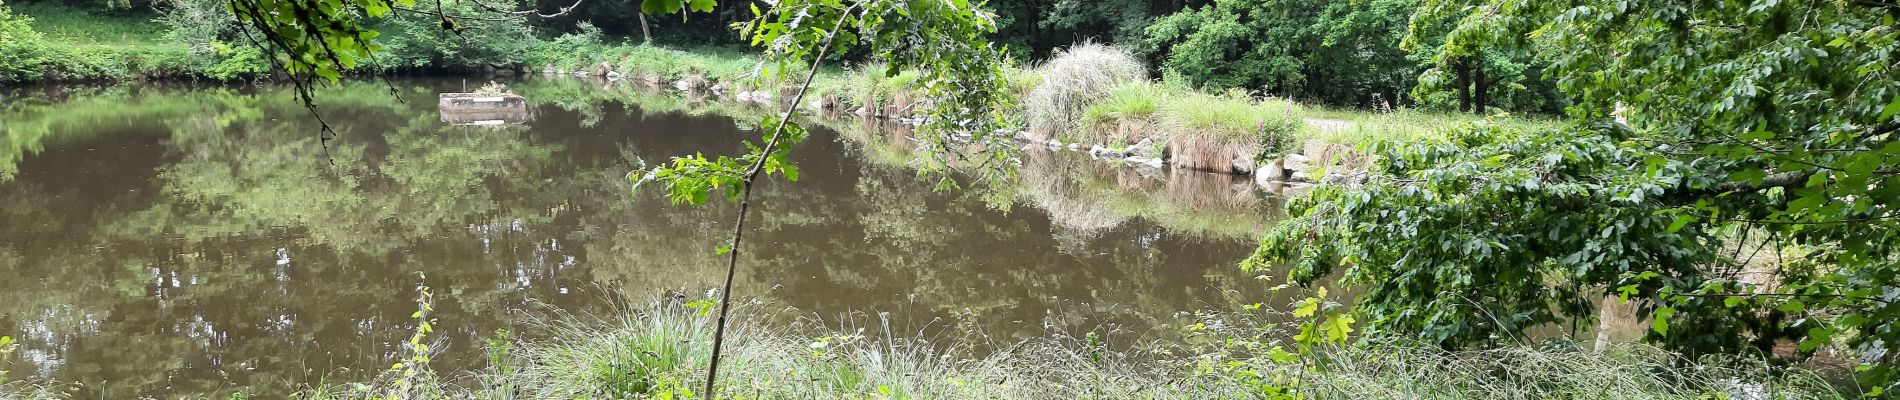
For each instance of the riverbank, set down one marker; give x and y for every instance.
(1091, 98)
(661, 351)
(54, 43)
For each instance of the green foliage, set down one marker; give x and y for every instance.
(692, 179)
(200, 24)
(1338, 52)
(21, 48)
(89, 52)
(482, 36)
(6, 355)
(236, 62)
(1745, 120)
(1117, 21)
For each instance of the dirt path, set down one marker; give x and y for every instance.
(1329, 126)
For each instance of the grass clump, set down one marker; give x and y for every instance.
(1071, 81)
(1211, 132)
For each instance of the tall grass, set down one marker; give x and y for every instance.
(1072, 80)
(660, 350)
(1357, 127)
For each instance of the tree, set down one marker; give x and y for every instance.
(1705, 131)
(1340, 53)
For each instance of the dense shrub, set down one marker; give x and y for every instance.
(21, 48)
(418, 40)
(1075, 78)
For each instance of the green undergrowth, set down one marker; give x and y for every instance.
(661, 351)
(1353, 127)
(47, 42)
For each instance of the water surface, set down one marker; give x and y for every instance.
(183, 240)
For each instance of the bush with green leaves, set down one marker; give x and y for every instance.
(1336, 52)
(480, 37)
(1704, 135)
(22, 50)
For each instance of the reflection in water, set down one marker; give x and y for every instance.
(170, 241)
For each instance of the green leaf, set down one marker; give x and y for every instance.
(1661, 317)
(1892, 108)
(1793, 307)
(722, 249)
(703, 5)
(1306, 308)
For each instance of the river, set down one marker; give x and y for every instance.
(173, 240)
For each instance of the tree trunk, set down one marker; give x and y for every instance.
(1463, 81)
(646, 36)
(1484, 89)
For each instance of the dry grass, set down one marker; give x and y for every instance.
(1072, 80)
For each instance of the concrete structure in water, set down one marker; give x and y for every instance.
(482, 109)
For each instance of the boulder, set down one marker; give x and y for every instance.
(1055, 143)
(1243, 164)
(549, 70)
(1145, 148)
(1269, 173)
(1100, 151)
(1296, 163)
(614, 75)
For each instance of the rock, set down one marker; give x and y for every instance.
(603, 69)
(760, 96)
(1243, 164)
(1075, 146)
(1270, 172)
(579, 73)
(1099, 151)
(1296, 163)
(861, 111)
(1298, 176)
(1275, 187)
(1055, 143)
(682, 85)
(614, 75)
(549, 70)
(743, 96)
(1145, 148)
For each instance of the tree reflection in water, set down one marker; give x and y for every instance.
(170, 241)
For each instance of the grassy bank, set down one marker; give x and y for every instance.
(46, 42)
(1090, 96)
(661, 351)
